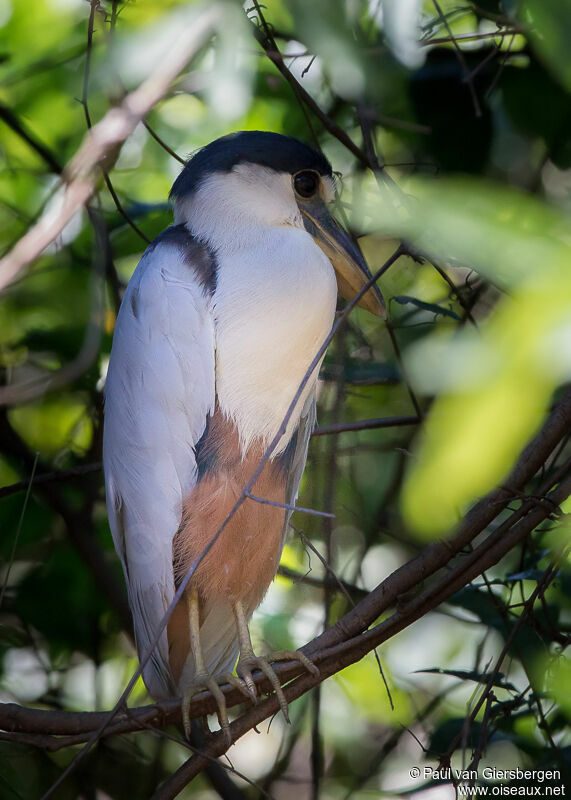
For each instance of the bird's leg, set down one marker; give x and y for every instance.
(202, 678)
(249, 660)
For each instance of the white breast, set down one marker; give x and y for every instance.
(274, 306)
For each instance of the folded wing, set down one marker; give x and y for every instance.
(159, 392)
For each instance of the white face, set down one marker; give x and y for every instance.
(232, 204)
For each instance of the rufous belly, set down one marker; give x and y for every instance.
(244, 559)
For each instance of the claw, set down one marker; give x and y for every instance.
(248, 661)
(244, 670)
(202, 682)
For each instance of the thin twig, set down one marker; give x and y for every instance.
(469, 37)
(8, 116)
(265, 38)
(411, 393)
(366, 425)
(446, 277)
(57, 476)
(61, 475)
(18, 530)
(334, 580)
(289, 506)
(461, 59)
(501, 68)
(335, 583)
(94, 6)
(163, 144)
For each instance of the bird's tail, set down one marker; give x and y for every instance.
(219, 639)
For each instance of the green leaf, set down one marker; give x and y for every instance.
(549, 25)
(27, 772)
(539, 107)
(53, 423)
(446, 732)
(494, 385)
(481, 604)
(62, 582)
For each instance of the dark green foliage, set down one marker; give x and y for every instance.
(477, 336)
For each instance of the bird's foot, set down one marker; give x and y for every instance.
(206, 682)
(204, 679)
(249, 661)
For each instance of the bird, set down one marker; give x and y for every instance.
(217, 329)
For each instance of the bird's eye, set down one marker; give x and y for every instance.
(306, 183)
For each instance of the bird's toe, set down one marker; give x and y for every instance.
(238, 683)
(250, 661)
(206, 682)
(296, 655)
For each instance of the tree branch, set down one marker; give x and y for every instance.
(346, 641)
(336, 658)
(264, 37)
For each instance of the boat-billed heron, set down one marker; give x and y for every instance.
(218, 326)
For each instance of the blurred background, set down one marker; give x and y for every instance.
(459, 114)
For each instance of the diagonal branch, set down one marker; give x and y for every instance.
(438, 554)
(346, 642)
(265, 38)
(102, 143)
(348, 652)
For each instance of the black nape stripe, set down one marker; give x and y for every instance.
(197, 255)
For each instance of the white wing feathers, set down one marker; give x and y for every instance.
(306, 425)
(159, 391)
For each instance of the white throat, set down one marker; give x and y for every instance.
(231, 209)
